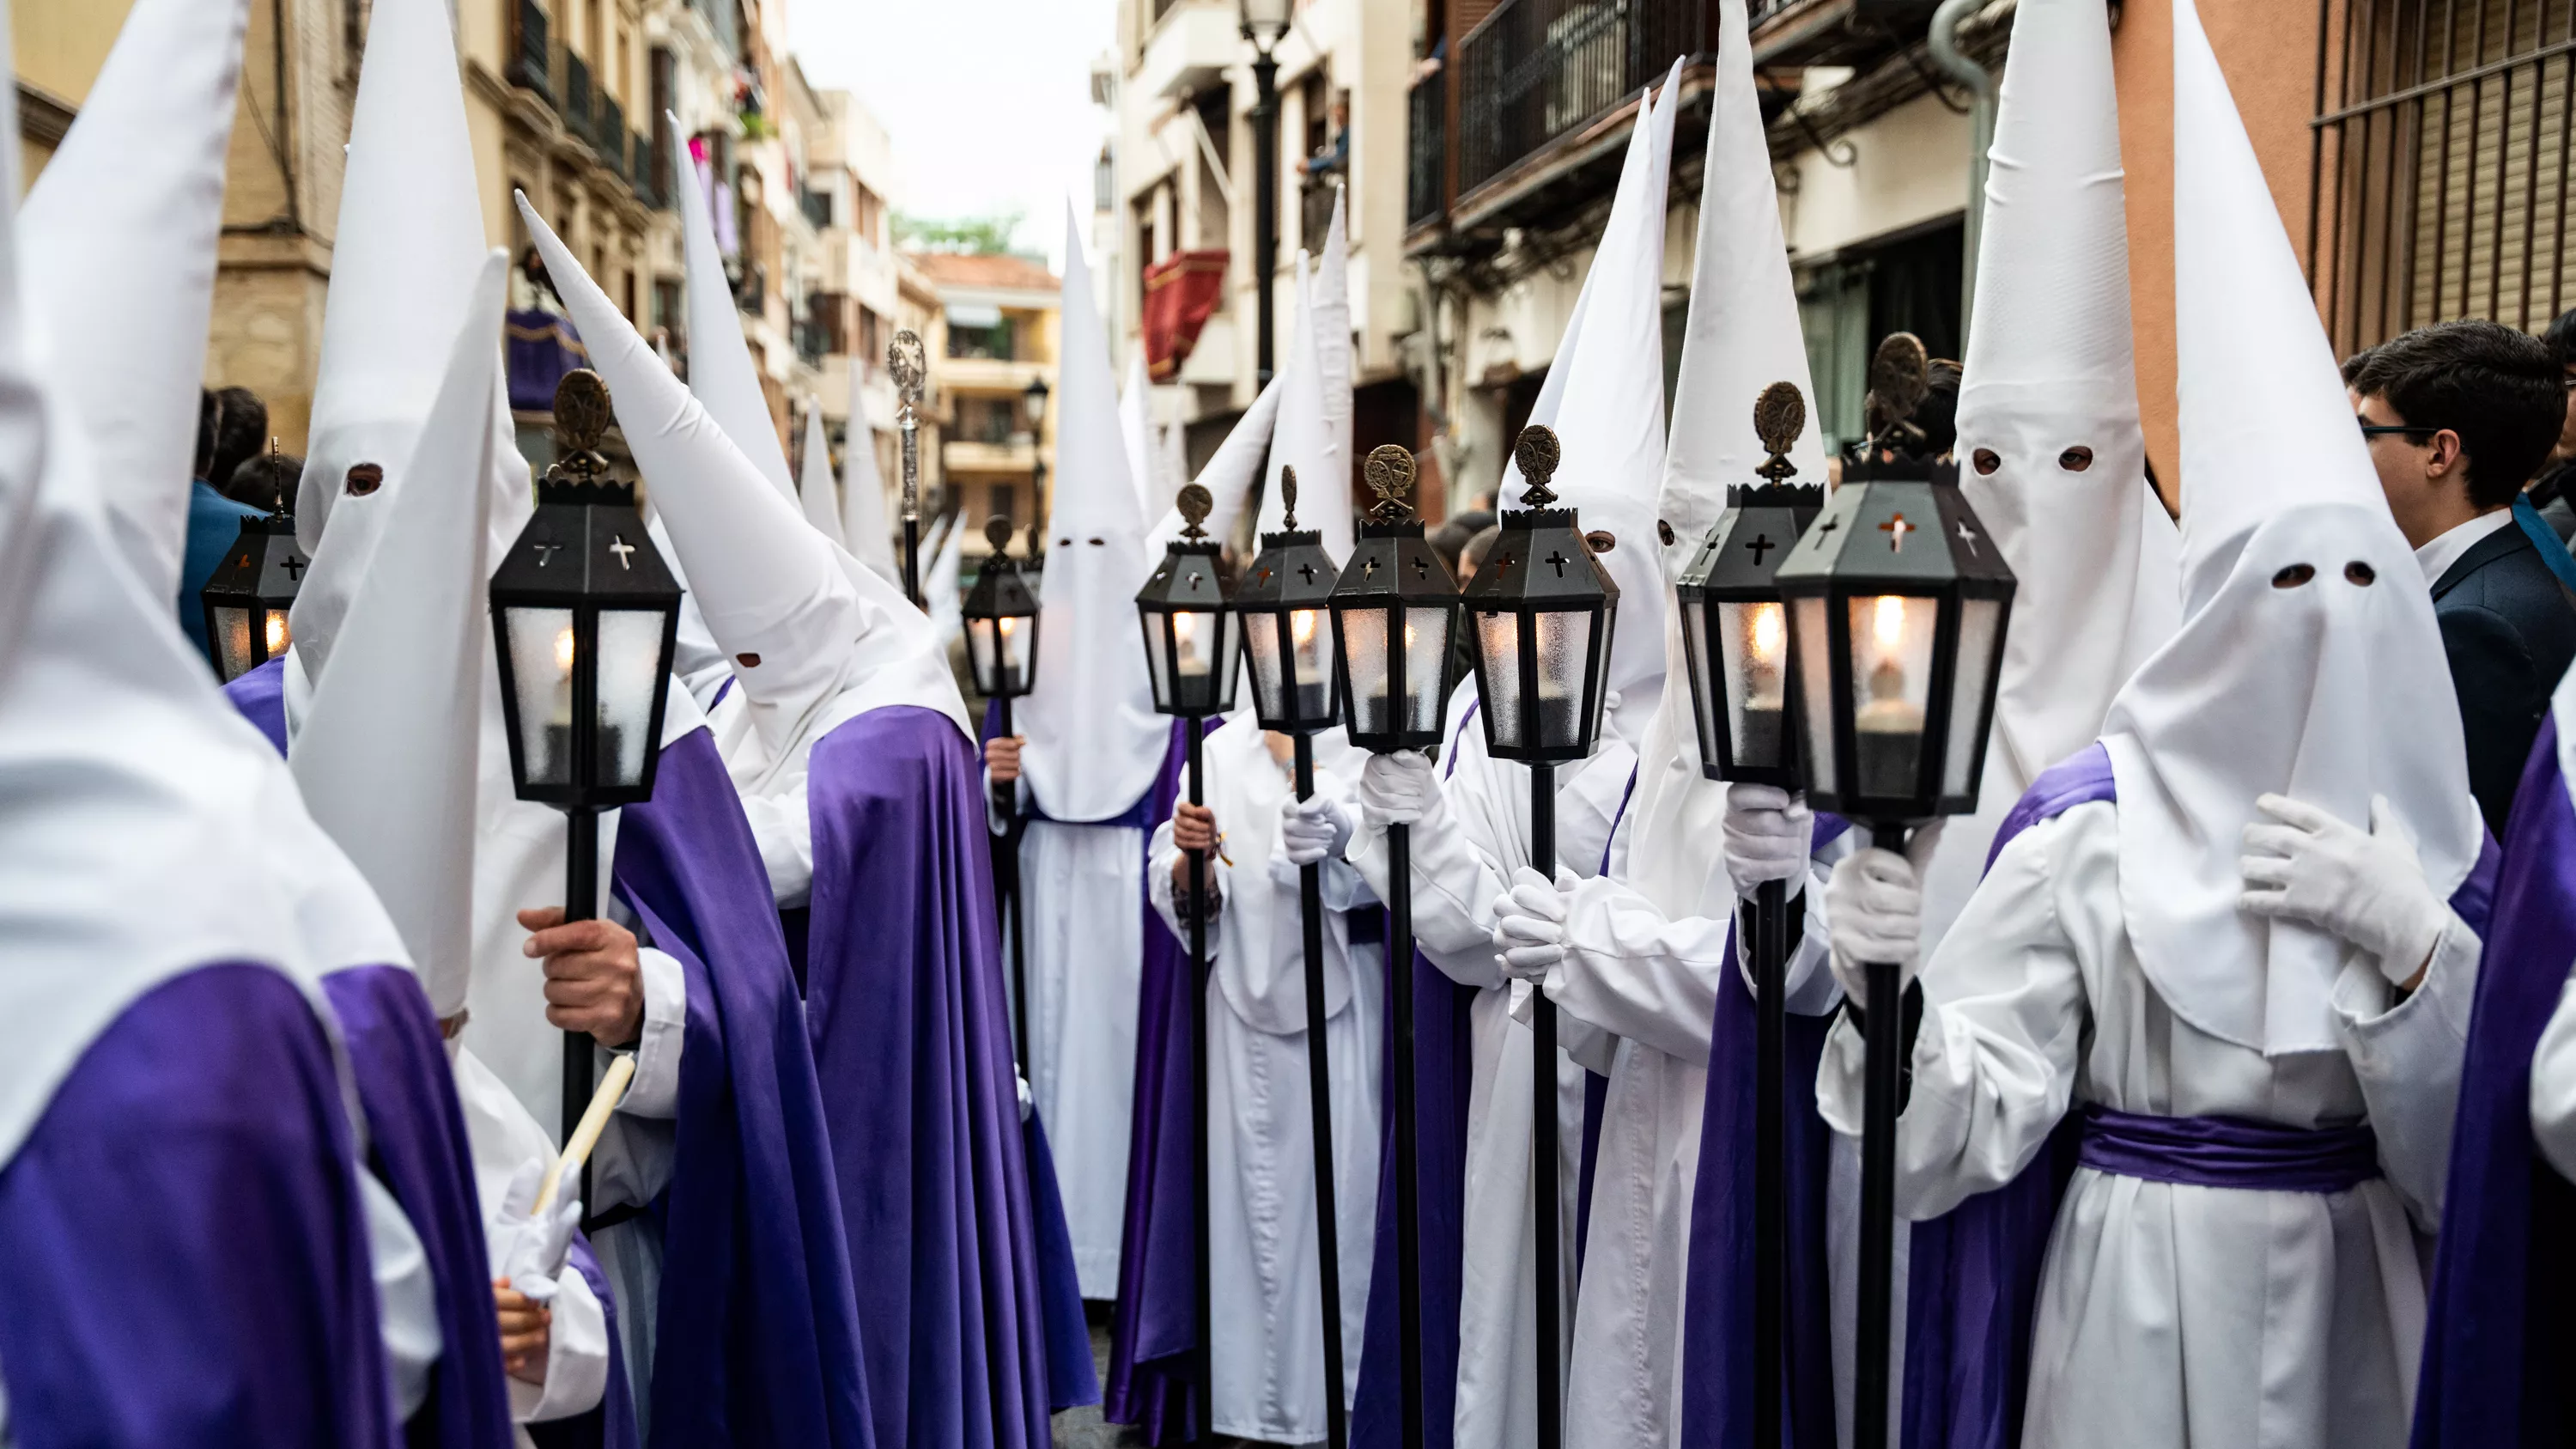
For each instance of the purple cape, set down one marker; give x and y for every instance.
(1153, 1332)
(2497, 1345)
(260, 696)
(904, 999)
(182, 1250)
(757, 1334)
(612, 1424)
(1972, 1294)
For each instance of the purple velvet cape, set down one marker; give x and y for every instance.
(1152, 1333)
(2498, 1343)
(758, 1339)
(1972, 1294)
(416, 1146)
(905, 1003)
(182, 1250)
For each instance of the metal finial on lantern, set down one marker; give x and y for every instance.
(1389, 473)
(1193, 503)
(1538, 452)
(1779, 416)
(1288, 498)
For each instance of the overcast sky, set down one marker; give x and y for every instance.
(988, 101)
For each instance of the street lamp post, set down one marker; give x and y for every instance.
(1898, 602)
(910, 367)
(586, 616)
(1284, 603)
(1033, 399)
(1001, 621)
(1190, 643)
(1265, 24)
(248, 596)
(1542, 608)
(1735, 639)
(1395, 608)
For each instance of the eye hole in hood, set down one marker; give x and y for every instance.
(2293, 576)
(2360, 574)
(2076, 459)
(363, 479)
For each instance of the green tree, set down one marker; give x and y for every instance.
(974, 236)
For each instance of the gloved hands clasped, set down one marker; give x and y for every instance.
(1529, 925)
(1313, 831)
(1400, 789)
(1768, 835)
(1874, 903)
(2366, 887)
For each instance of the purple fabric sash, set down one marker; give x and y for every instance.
(260, 696)
(2499, 1338)
(2227, 1152)
(1153, 1330)
(612, 1424)
(416, 1146)
(905, 1004)
(757, 1333)
(182, 1250)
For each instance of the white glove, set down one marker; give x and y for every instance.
(2367, 888)
(1769, 833)
(531, 1249)
(1400, 789)
(1874, 915)
(1028, 1099)
(1313, 831)
(1529, 925)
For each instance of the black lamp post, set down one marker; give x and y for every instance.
(248, 596)
(1735, 638)
(1001, 619)
(1542, 609)
(1898, 603)
(1033, 399)
(1190, 645)
(1265, 24)
(586, 616)
(1394, 610)
(1285, 603)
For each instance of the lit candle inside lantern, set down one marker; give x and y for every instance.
(1889, 726)
(1008, 650)
(278, 634)
(1195, 654)
(1766, 658)
(1308, 663)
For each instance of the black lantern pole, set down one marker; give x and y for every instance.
(1543, 608)
(249, 595)
(1265, 24)
(1284, 603)
(1901, 594)
(586, 617)
(1034, 400)
(910, 367)
(1395, 609)
(1190, 644)
(1001, 622)
(1735, 640)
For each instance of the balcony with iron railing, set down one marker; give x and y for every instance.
(531, 59)
(576, 94)
(608, 137)
(1426, 160)
(1537, 71)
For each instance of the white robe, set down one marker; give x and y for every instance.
(1264, 1255)
(2174, 1315)
(2553, 1085)
(1457, 876)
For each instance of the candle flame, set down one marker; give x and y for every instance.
(1009, 625)
(1301, 625)
(1888, 625)
(1771, 634)
(277, 635)
(563, 651)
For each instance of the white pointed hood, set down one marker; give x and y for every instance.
(864, 530)
(818, 495)
(1743, 335)
(1094, 741)
(1610, 411)
(134, 787)
(403, 265)
(1303, 438)
(939, 583)
(721, 374)
(125, 218)
(387, 756)
(1229, 476)
(1136, 432)
(2322, 688)
(804, 629)
(1338, 359)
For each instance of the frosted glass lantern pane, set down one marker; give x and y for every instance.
(1157, 643)
(1017, 640)
(980, 654)
(541, 676)
(1498, 645)
(1310, 649)
(232, 641)
(1978, 622)
(1426, 660)
(1261, 649)
(1891, 685)
(1199, 658)
(1815, 654)
(1753, 639)
(1364, 643)
(1228, 625)
(1564, 674)
(630, 669)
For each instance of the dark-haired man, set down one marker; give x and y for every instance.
(2458, 416)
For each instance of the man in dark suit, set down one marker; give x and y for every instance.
(2458, 416)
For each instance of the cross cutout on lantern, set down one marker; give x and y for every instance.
(1306, 571)
(546, 549)
(1968, 536)
(1896, 528)
(1558, 560)
(294, 567)
(625, 552)
(1761, 544)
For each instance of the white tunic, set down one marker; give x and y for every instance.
(1263, 1251)
(2553, 1086)
(2174, 1315)
(1457, 876)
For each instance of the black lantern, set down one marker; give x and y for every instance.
(1189, 620)
(586, 614)
(1735, 630)
(1542, 609)
(1001, 618)
(1033, 399)
(248, 596)
(1394, 609)
(1285, 603)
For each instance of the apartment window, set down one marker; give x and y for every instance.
(991, 420)
(2440, 164)
(972, 336)
(871, 345)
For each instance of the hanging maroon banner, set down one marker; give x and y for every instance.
(1180, 292)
